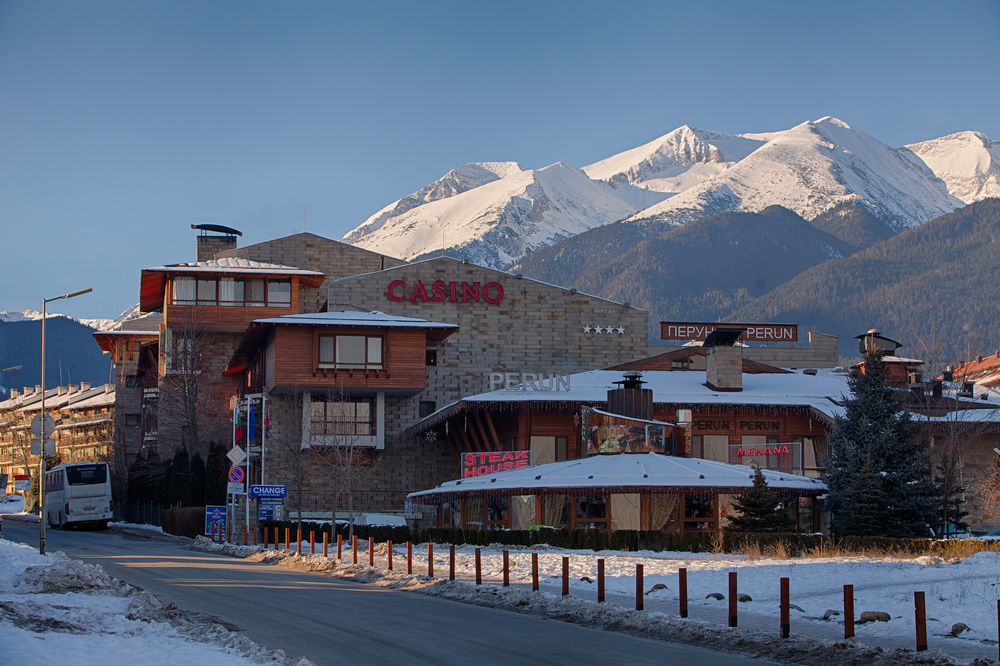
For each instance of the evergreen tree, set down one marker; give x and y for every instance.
(878, 473)
(760, 509)
(216, 467)
(179, 479)
(197, 480)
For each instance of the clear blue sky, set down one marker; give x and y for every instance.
(122, 123)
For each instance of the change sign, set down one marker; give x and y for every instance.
(268, 491)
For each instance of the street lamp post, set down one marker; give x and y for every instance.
(41, 435)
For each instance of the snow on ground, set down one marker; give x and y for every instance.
(962, 591)
(56, 609)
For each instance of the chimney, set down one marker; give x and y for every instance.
(72, 388)
(221, 240)
(631, 399)
(14, 393)
(84, 386)
(724, 360)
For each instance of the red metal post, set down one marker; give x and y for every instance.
(506, 569)
(534, 572)
(246, 535)
(371, 551)
(326, 542)
(388, 555)
(229, 533)
(479, 566)
(682, 585)
(264, 530)
(276, 547)
(354, 548)
(298, 540)
(732, 598)
(638, 587)
(920, 620)
(785, 624)
(848, 611)
(312, 542)
(451, 562)
(340, 546)
(288, 538)
(409, 557)
(600, 580)
(430, 560)
(255, 536)
(565, 576)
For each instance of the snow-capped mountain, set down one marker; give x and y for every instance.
(498, 221)
(967, 162)
(98, 324)
(495, 212)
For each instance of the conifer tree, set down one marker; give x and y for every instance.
(760, 509)
(878, 473)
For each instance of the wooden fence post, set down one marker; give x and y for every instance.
(506, 569)
(732, 599)
(638, 587)
(409, 557)
(312, 542)
(276, 539)
(785, 624)
(479, 566)
(565, 576)
(371, 551)
(451, 562)
(920, 620)
(288, 538)
(255, 536)
(600, 580)
(354, 548)
(326, 542)
(264, 530)
(298, 540)
(682, 583)
(340, 546)
(388, 555)
(229, 533)
(534, 572)
(430, 560)
(848, 611)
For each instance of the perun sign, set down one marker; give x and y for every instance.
(528, 381)
(478, 464)
(672, 330)
(439, 290)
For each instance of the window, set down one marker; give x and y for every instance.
(184, 290)
(231, 291)
(431, 358)
(279, 293)
(497, 512)
(132, 420)
(254, 291)
(591, 512)
(206, 291)
(426, 408)
(351, 352)
(131, 381)
(343, 417)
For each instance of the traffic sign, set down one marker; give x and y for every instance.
(236, 475)
(235, 488)
(215, 515)
(50, 446)
(22, 482)
(36, 425)
(268, 491)
(236, 455)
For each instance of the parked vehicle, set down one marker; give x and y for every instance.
(78, 494)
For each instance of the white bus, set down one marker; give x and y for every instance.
(78, 493)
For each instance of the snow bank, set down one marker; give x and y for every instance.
(961, 591)
(52, 606)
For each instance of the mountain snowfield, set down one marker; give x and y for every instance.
(98, 324)
(495, 212)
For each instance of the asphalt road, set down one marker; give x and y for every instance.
(332, 621)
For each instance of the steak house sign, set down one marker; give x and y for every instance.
(439, 290)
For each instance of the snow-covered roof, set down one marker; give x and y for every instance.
(817, 391)
(232, 265)
(354, 318)
(81, 424)
(625, 470)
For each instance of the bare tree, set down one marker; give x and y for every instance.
(181, 378)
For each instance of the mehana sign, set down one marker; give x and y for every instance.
(450, 292)
(478, 464)
(672, 330)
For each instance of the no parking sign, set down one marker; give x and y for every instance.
(236, 474)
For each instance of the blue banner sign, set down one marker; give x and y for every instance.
(215, 515)
(268, 491)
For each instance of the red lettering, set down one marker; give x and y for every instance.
(498, 289)
(741, 453)
(453, 298)
(482, 470)
(391, 294)
(439, 294)
(508, 455)
(470, 289)
(418, 291)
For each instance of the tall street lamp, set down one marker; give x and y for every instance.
(41, 435)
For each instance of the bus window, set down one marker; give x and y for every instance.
(82, 475)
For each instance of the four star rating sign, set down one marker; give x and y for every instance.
(610, 330)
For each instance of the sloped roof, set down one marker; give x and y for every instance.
(624, 471)
(666, 360)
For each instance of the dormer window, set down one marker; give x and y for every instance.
(350, 352)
